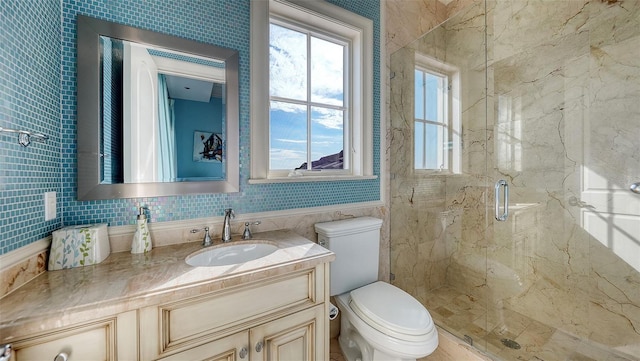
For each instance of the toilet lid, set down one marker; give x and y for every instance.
(388, 308)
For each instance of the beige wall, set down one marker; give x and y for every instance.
(562, 96)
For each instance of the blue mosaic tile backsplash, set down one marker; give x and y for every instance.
(52, 110)
(29, 100)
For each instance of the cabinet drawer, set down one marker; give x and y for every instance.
(225, 349)
(189, 322)
(91, 341)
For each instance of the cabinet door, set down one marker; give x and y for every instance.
(175, 326)
(230, 348)
(297, 337)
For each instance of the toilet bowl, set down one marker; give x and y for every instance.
(380, 322)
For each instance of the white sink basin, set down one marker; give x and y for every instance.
(230, 253)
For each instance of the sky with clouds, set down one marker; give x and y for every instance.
(289, 82)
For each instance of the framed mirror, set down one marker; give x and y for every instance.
(157, 114)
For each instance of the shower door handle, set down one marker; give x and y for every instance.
(635, 187)
(505, 200)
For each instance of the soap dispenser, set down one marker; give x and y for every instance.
(141, 239)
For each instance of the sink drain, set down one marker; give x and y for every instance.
(510, 343)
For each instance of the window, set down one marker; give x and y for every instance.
(308, 108)
(311, 92)
(437, 142)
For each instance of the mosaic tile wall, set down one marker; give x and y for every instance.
(29, 100)
(193, 20)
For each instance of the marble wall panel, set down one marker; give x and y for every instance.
(614, 90)
(409, 20)
(611, 149)
(427, 215)
(568, 88)
(562, 87)
(614, 313)
(521, 25)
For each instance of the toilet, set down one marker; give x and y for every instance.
(380, 322)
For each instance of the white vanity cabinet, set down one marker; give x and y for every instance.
(113, 338)
(296, 337)
(278, 318)
(157, 307)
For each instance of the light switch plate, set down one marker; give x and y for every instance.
(49, 206)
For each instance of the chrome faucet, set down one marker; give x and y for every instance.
(226, 227)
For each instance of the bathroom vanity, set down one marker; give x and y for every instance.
(155, 306)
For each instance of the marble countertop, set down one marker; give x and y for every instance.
(126, 281)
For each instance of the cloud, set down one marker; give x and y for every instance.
(288, 67)
(326, 139)
(328, 118)
(287, 63)
(288, 107)
(286, 158)
(327, 72)
(292, 140)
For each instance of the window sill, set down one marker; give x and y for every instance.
(431, 172)
(311, 179)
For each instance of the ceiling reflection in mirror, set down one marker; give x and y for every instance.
(162, 115)
(157, 114)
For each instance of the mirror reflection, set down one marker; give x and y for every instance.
(163, 115)
(158, 115)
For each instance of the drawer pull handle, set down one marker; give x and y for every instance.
(62, 356)
(243, 352)
(259, 346)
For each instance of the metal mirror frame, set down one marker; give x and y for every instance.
(89, 124)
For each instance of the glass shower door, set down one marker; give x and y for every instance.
(563, 270)
(439, 179)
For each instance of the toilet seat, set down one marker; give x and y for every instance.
(391, 311)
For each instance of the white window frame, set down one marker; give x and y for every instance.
(327, 18)
(452, 110)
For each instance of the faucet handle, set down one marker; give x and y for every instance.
(247, 231)
(207, 238)
(196, 230)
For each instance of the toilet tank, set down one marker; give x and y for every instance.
(356, 244)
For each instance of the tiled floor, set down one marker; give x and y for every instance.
(450, 349)
(335, 354)
(463, 315)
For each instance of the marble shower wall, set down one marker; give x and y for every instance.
(409, 20)
(431, 223)
(565, 105)
(563, 84)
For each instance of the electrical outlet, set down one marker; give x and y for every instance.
(49, 206)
